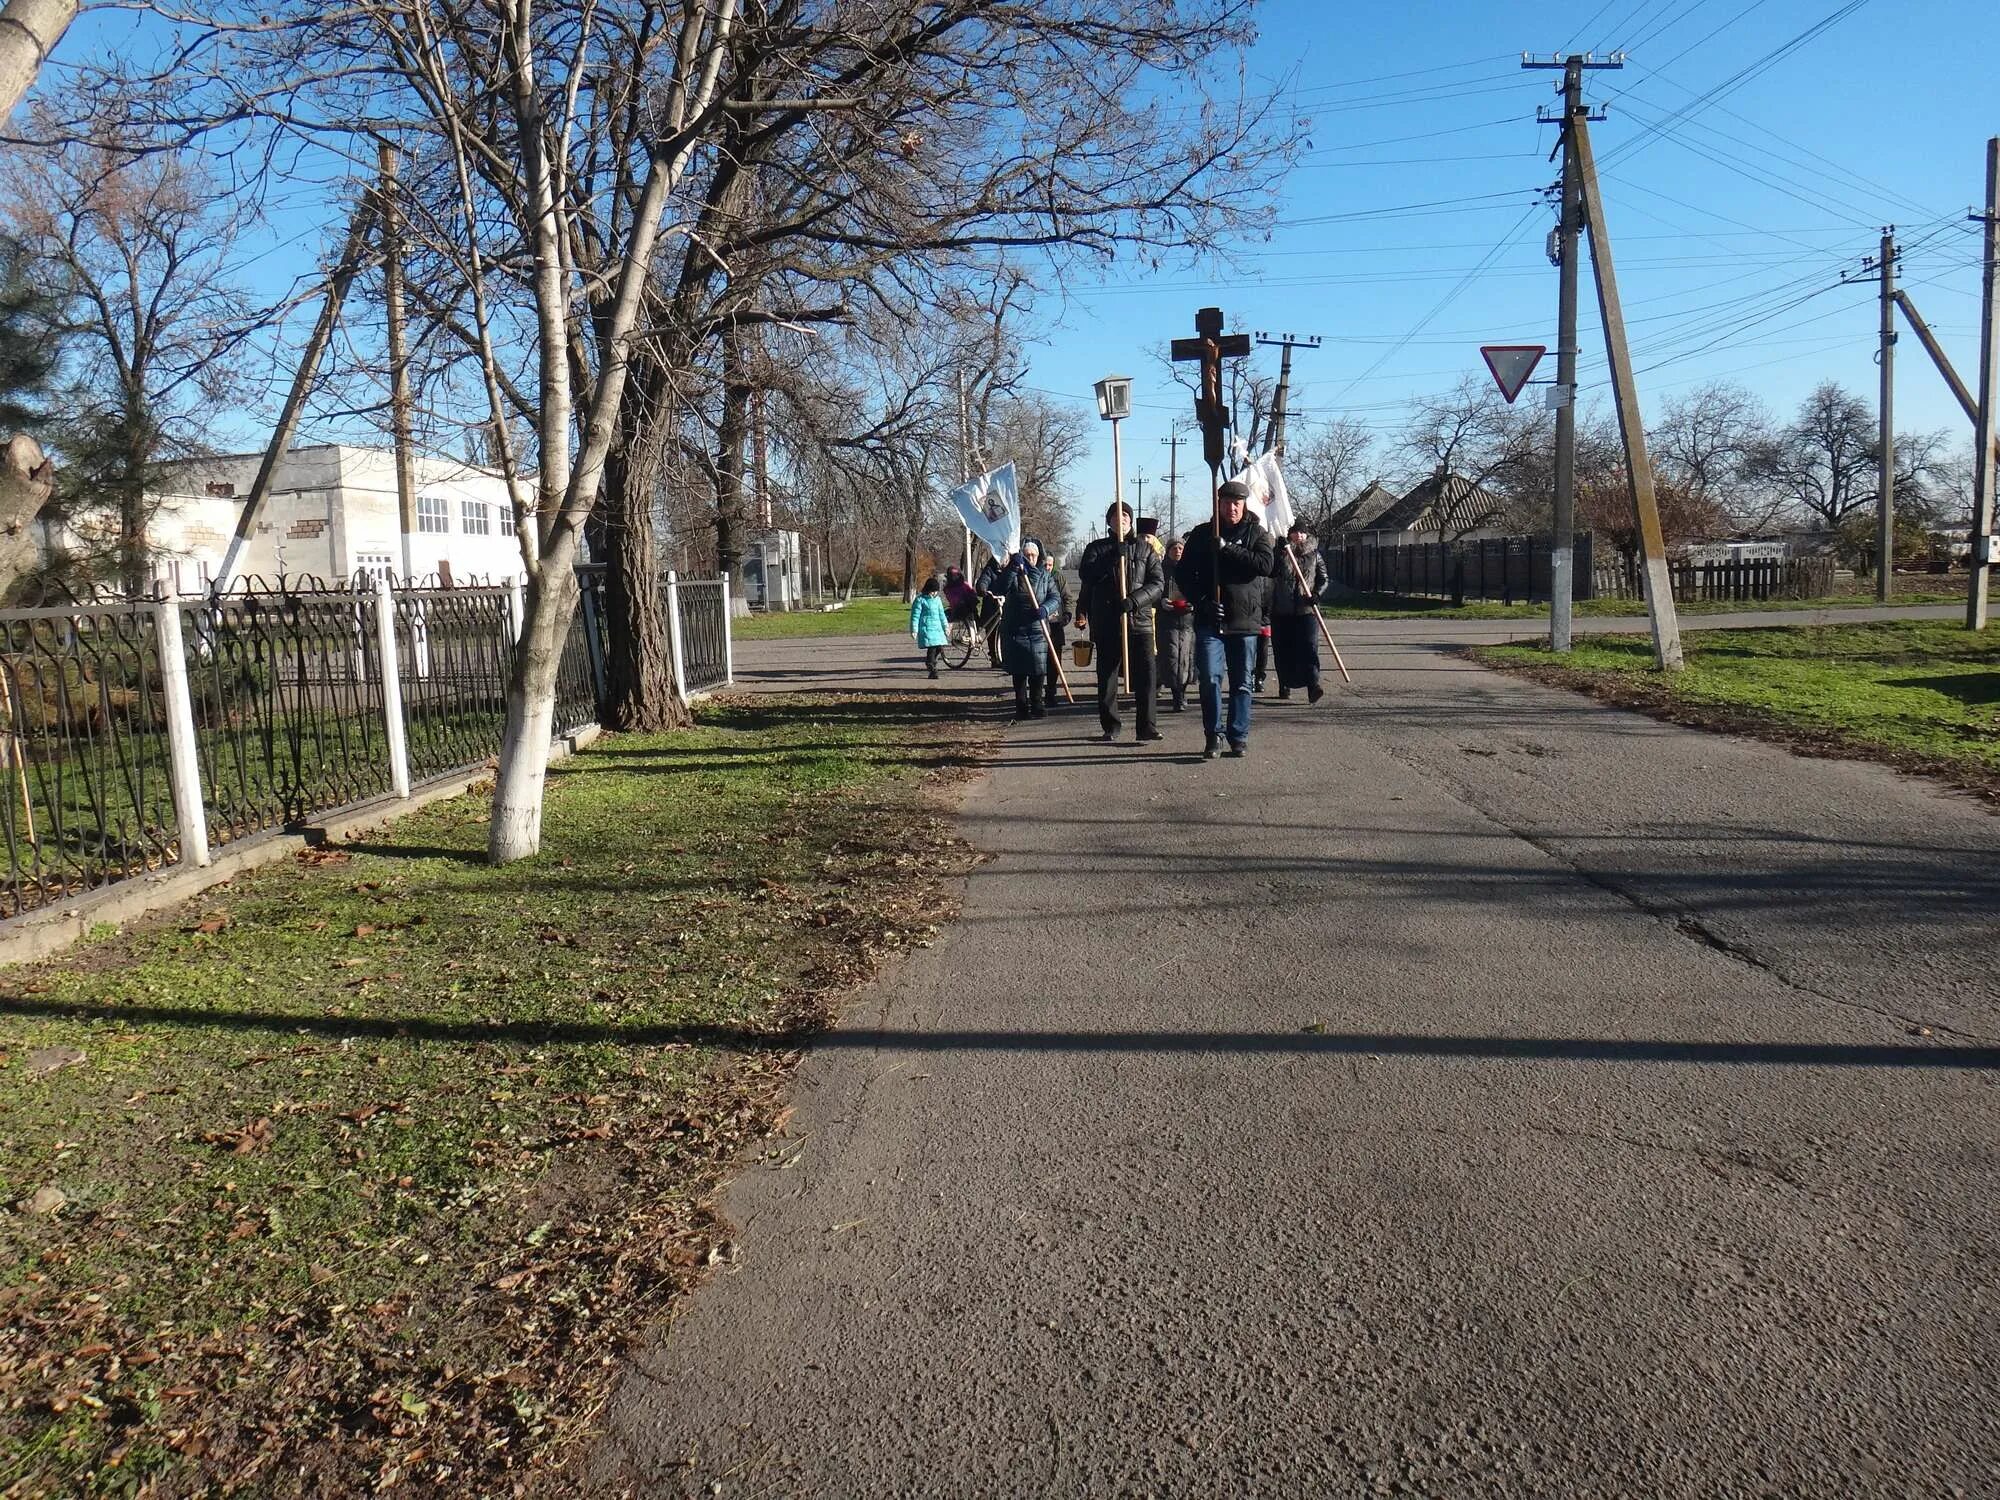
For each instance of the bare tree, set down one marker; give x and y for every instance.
(1326, 465)
(131, 248)
(1702, 445)
(1825, 462)
(1485, 457)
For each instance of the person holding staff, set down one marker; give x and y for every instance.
(1027, 598)
(1225, 573)
(1117, 602)
(1300, 580)
(1176, 631)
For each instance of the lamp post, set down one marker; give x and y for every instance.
(1114, 405)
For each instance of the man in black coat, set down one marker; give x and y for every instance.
(1114, 615)
(1227, 580)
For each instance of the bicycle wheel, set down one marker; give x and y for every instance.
(958, 641)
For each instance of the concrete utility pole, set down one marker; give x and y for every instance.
(1172, 442)
(1631, 424)
(399, 358)
(1139, 497)
(1986, 463)
(1937, 354)
(1562, 544)
(1885, 509)
(1287, 344)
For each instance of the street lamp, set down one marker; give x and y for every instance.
(1114, 405)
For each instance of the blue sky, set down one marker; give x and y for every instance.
(1741, 180)
(1730, 221)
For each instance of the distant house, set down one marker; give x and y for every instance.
(1445, 507)
(1362, 512)
(331, 515)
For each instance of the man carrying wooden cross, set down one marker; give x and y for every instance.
(1224, 572)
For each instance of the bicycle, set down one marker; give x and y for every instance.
(961, 638)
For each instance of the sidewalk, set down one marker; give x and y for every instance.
(1476, 1091)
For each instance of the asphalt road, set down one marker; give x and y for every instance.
(1477, 1091)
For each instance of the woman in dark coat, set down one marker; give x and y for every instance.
(1027, 598)
(1294, 631)
(1176, 632)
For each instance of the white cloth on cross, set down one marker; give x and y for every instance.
(1270, 502)
(991, 509)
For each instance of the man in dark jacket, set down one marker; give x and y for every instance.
(1227, 580)
(1121, 619)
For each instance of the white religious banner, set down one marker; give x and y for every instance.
(991, 509)
(1270, 502)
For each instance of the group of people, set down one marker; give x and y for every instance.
(1215, 609)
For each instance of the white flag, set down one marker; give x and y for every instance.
(991, 508)
(1270, 502)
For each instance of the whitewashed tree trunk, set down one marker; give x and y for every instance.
(516, 829)
(29, 31)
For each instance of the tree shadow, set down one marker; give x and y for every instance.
(1973, 689)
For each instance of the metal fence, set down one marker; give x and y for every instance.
(90, 794)
(1509, 569)
(698, 621)
(136, 735)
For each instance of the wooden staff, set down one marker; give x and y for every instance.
(1306, 589)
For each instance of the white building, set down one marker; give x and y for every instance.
(331, 514)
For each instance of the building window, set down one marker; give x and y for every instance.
(475, 518)
(221, 489)
(373, 566)
(433, 513)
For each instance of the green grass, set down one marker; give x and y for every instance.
(1923, 689)
(1408, 607)
(370, 1158)
(869, 616)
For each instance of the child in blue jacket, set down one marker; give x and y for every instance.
(927, 624)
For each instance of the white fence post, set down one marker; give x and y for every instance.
(674, 633)
(728, 635)
(516, 606)
(392, 688)
(183, 754)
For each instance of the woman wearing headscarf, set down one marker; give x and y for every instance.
(1294, 635)
(1176, 632)
(1027, 598)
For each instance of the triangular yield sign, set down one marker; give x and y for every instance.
(1511, 365)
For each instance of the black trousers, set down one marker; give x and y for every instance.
(1027, 694)
(932, 656)
(1105, 654)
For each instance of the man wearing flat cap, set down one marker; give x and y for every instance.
(1224, 576)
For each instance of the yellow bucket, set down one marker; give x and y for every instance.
(1080, 652)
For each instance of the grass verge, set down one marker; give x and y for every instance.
(351, 1178)
(870, 616)
(1408, 607)
(1923, 695)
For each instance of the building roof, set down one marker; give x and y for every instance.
(1443, 502)
(1359, 514)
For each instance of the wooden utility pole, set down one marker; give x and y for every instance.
(399, 357)
(1885, 440)
(1172, 442)
(29, 31)
(1631, 424)
(349, 266)
(1279, 402)
(1562, 544)
(1985, 461)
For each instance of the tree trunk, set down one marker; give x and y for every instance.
(29, 31)
(132, 511)
(732, 438)
(27, 480)
(550, 601)
(640, 691)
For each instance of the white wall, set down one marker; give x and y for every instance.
(331, 513)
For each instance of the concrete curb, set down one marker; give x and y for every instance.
(49, 929)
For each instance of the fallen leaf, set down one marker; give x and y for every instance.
(212, 923)
(45, 1200)
(53, 1059)
(364, 929)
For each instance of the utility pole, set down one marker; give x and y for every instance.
(399, 357)
(1562, 545)
(965, 463)
(1139, 497)
(1631, 424)
(1287, 344)
(1885, 439)
(1172, 442)
(1938, 357)
(1986, 463)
